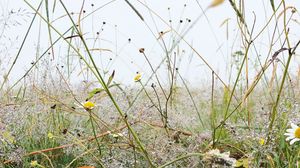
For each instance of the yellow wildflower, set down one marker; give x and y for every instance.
(50, 135)
(137, 77)
(34, 163)
(261, 141)
(88, 105)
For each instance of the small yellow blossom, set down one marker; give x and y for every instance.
(88, 105)
(137, 77)
(34, 163)
(50, 135)
(261, 141)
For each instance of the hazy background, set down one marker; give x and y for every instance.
(207, 37)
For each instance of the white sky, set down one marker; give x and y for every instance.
(207, 38)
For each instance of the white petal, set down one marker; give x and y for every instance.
(294, 140)
(289, 138)
(290, 130)
(289, 135)
(294, 126)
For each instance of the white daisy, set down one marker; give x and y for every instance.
(293, 134)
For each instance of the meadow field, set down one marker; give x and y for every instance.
(137, 83)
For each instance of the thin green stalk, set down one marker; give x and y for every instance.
(171, 70)
(291, 53)
(193, 101)
(49, 30)
(154, 72)
(94, 131)
(157, 96)
(147, 94)
(212, 111)
(274, 108)
(234, 87)
(68, 56)
(162, 115)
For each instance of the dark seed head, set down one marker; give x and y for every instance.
(142, 50)
(65, 131)
(53, 106)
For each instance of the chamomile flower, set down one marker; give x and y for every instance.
(293, 134)
(138, 77)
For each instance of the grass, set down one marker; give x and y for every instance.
(161, 120)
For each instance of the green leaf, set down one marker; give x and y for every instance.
(94, 92)
(97, 91)
(111, 78)
(272, 4)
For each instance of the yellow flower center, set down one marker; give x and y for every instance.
(297, 132)
(88, 105)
